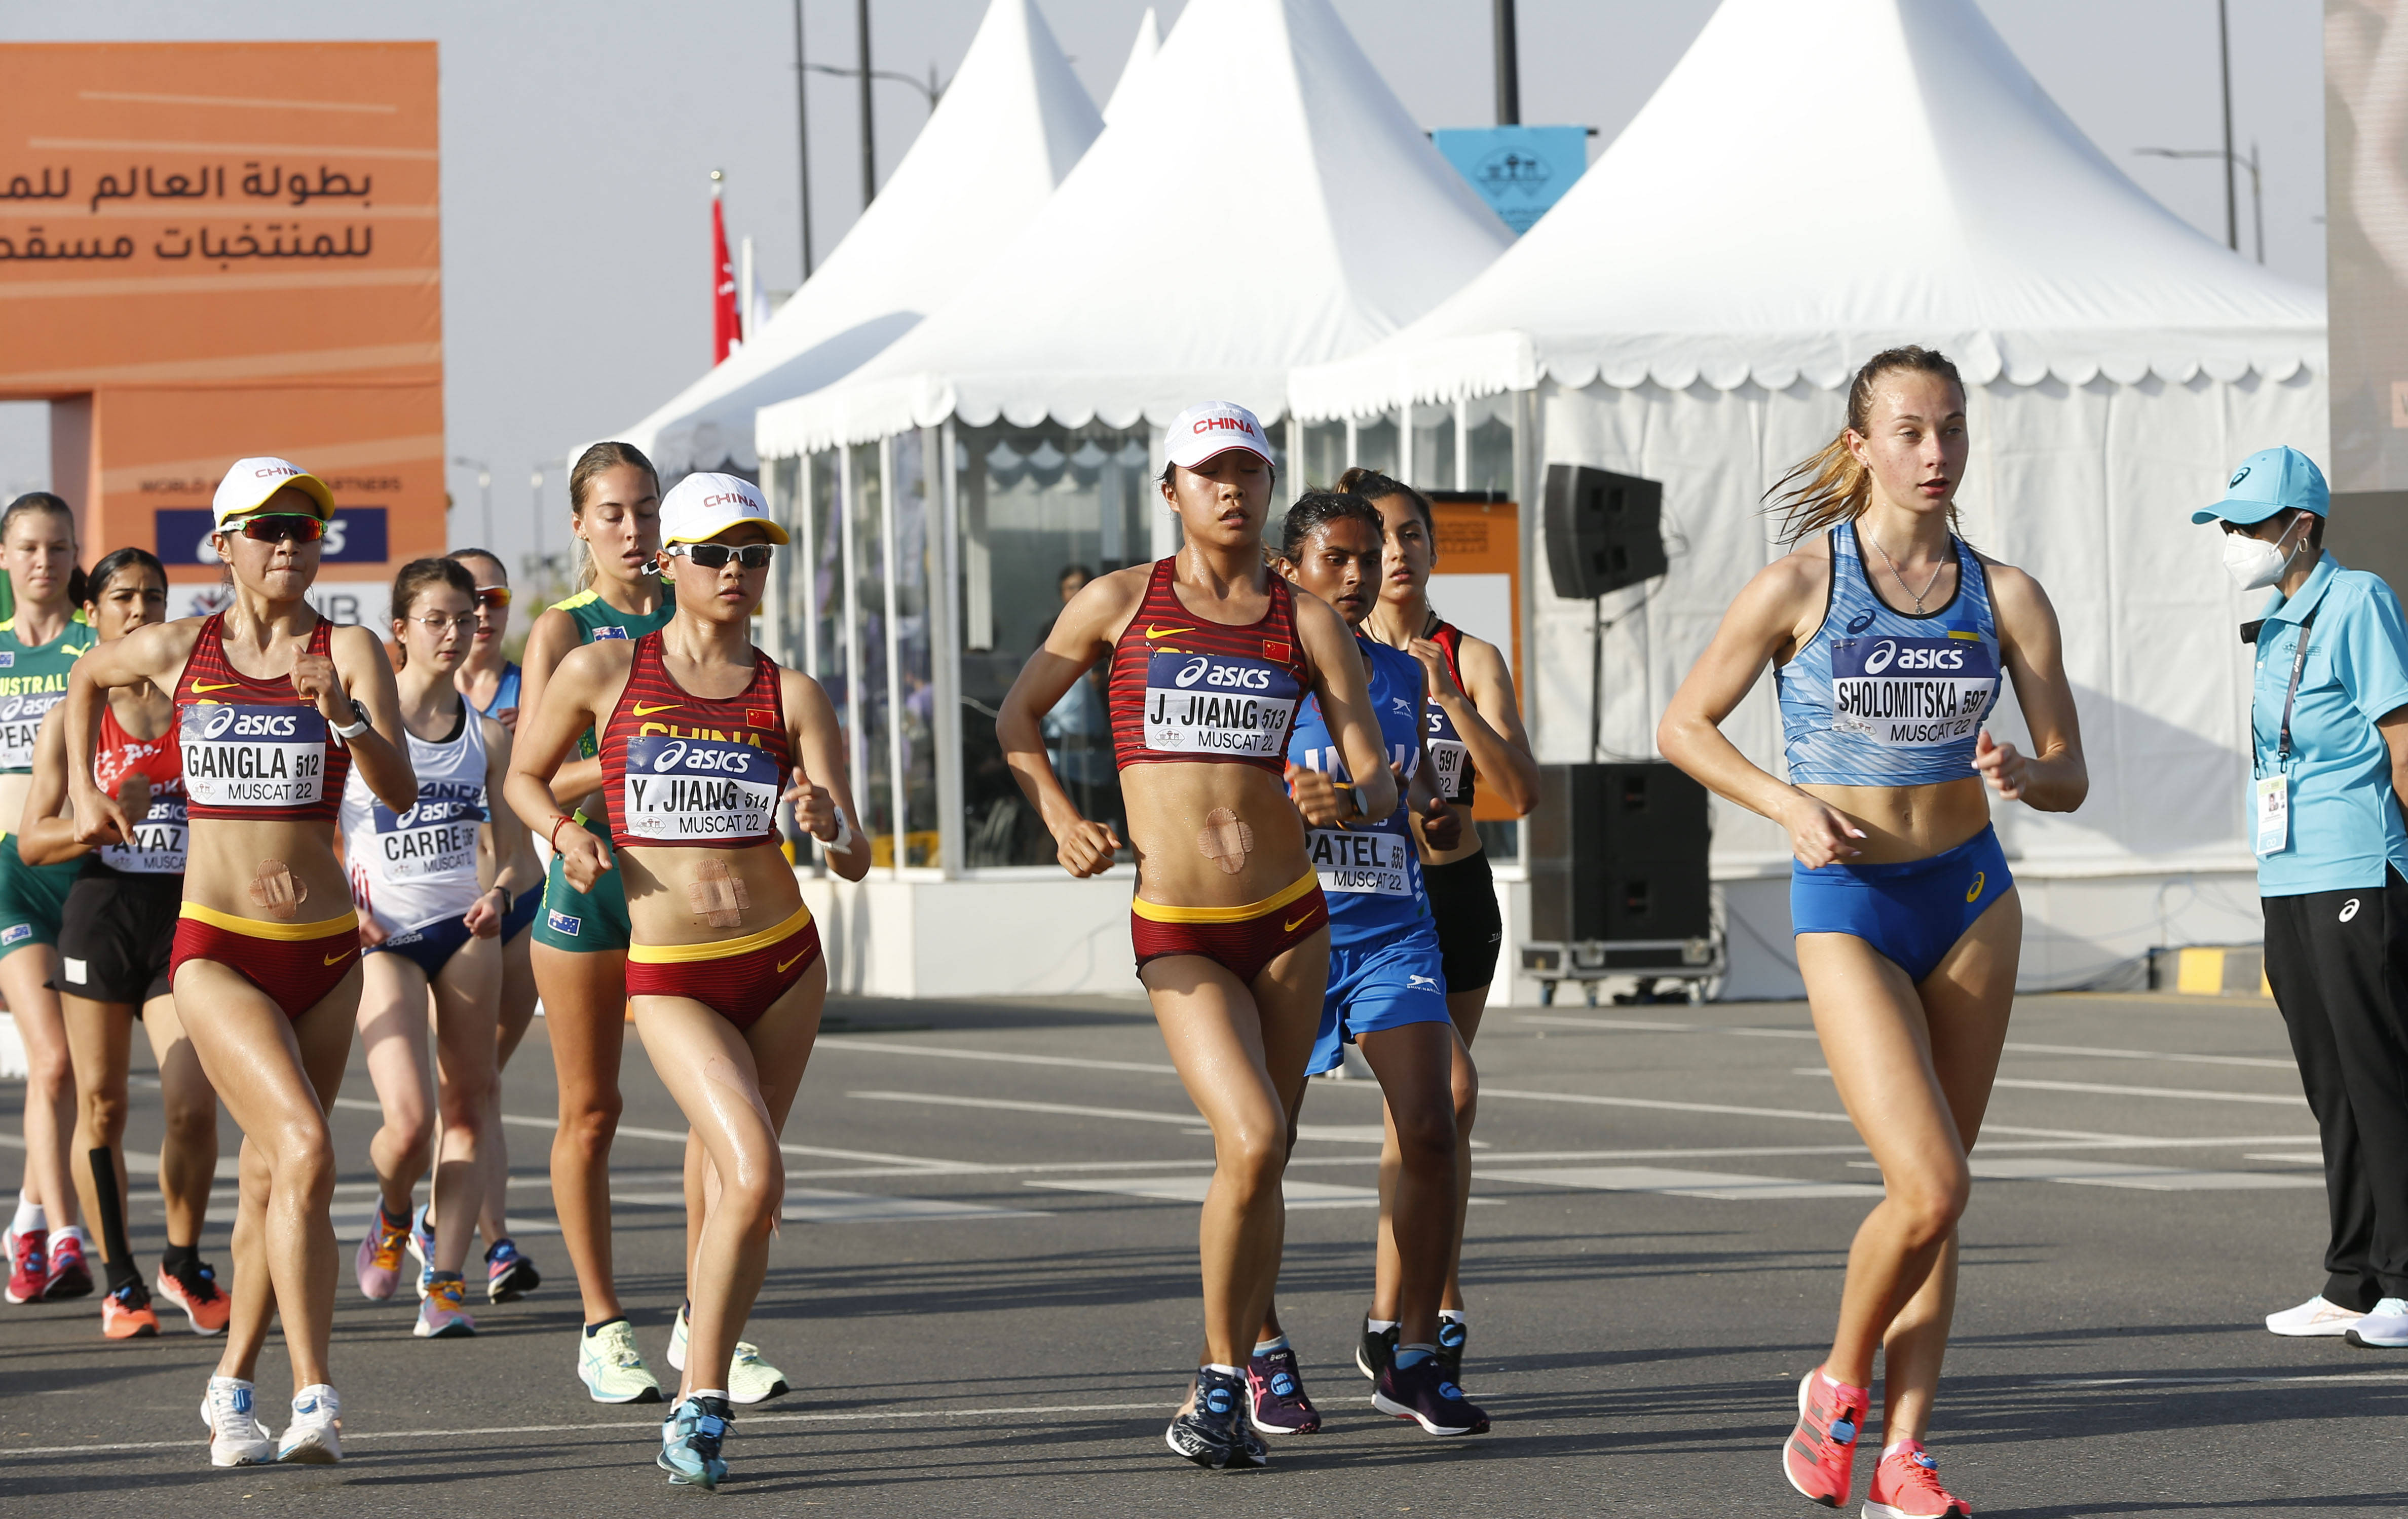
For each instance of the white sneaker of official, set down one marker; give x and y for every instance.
(2386, 1328)
(2314, 1317)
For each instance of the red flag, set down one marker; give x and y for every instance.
(727, 324)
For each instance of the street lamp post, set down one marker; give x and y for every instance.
(485, 490)
(803, 135)
(2231, 162)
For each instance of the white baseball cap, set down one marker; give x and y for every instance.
(699, 508)
(248, 485)
(1202, 432)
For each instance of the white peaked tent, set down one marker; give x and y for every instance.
(1264, 201)
(1141, 51)
(1009, 126)
(1818, 180)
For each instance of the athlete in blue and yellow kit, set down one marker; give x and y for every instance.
(1888, 636)
(1387, 985)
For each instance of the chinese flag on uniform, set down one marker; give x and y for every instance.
(727, 324)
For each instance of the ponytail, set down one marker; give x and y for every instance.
(1830, 486)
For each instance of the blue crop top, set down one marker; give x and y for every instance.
(1371, 872)
(1882, 698)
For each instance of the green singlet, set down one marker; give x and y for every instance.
(594, 922)
(33, 680)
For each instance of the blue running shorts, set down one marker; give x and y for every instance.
(1912, 912)
(1389, 984)
(430, 946)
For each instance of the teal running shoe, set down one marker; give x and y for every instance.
(690, 1442)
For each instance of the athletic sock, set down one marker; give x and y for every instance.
(1379, 1326)
(390, 1221)
(1453, 1315)
(1409, 1357)
(1224, 1370)
(1897, 1445)
(1265, 1347)
(593, 1329)
(720, 1392)
(180, 1260)
(75, 1232)
(122, 1275)
(30, 1218)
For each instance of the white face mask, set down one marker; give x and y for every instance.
(2254, 561)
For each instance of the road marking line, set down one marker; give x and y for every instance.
(1299, 1195)
(2106, 1089)
(1722, 1186)
(2308, 1378)
(2304, 1158)
(1640, 1026)
(2108, 1173)
(937, 1051)
(1348, 1133)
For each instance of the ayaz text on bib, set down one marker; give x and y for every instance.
(1912, 692)
(254, 756)
(684, 791)
(1216, 704)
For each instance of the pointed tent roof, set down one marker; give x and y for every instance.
(1141, 51)
(1008, 127)
(1815, 180)
(1265, 201)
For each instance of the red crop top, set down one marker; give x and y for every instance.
(254, 748)
(1185, 689)
(682, 770)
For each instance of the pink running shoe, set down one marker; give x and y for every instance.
(70, 1273)
(377, 1265)
(29, 1265)
(1906, 1485)
(1821, 1455)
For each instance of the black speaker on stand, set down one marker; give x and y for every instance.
(1604, 532)
(1619, 880)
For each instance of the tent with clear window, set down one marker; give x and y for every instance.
(1261, 200)
(1818, 180)
(1009, 126)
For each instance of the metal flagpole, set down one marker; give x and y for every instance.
(803, 135)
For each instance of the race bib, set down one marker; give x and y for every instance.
(21, 721)
(437, 837)
(1218, 704)
(155, 844)
(1912, 692)
(689, 791)
(254, 756)
(1364, 861)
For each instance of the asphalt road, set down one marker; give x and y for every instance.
(986, 1293)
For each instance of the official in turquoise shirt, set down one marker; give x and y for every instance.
(2332, 870)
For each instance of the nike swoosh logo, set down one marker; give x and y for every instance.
(1292, 927)
(1154, 632)
(783, 964)
(223, 686)
(338, 959)
(642, 710)
(1981, 878)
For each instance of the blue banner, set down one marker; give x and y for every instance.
(1518, 170)
(355, 536)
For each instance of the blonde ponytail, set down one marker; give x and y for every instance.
(1830, 486)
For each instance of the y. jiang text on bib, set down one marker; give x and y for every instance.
(1912, 692)
(438, 837)
(687, 790)
(254, 756)
(1214, 704)
(21, 721)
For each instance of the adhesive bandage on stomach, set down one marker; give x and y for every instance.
(254, 756)
(1912, 692)
(1218, 704)
(694, 791)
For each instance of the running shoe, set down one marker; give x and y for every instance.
(1374, 1350)
(2386, 1328)
(29, 1265)
(125, 1314)
(70, 1275)
(690, 1440)
(2316, 1316)
(508, 1275)
(236, 1438)
(612, 1368)
(1420, 1392)
(1821, 1455)
(315, 1436)
(439, 1314)
(1906, 1485)
(750, 1379)
(422, 1248)
(1276, 1404)
(378, 1262)
(195, 1291)
(1452, 1336)
(1211, 1434)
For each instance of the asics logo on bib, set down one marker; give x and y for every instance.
(234, 723)
(1230, 676)
(1217, 703)
(1888, 651)
(730, 761)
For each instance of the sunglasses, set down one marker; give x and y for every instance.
(283, 526)
(493, 598)
(716, 555)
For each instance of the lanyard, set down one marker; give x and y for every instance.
(2298, 662)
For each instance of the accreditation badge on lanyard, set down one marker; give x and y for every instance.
(2273, 792)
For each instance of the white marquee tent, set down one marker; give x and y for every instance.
(1141, 51)
(1821, 178)
(1009, 128)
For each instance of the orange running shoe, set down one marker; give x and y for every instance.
(196, 1291)
(1906, 1485)
(125, 1313)
(1821, 1455)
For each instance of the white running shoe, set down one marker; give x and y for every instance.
(750, 1379)
(315, 1436)
(236, 1438)
(2386, 1328)
(2314, 1317)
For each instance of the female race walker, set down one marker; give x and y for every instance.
(1887, 635)
(267, 956)
(1210, 653)
(1474, 732)
(431, 935)
(46, 1241)
(700, 732)
(116, 936)
(490, 682)
(1387, 990)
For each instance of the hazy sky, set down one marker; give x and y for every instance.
(578, 141)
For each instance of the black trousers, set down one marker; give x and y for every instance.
(2338, 962)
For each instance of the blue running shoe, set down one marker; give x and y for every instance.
(1214, 1433)
(691, 1438)
(1278, 1404)
(509, 1274)
(422, 1248)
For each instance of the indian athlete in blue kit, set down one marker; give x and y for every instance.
(1387, 991)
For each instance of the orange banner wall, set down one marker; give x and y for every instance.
(215, 249)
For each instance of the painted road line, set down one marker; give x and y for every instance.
(819, 1205)
(1665, 1105)
(939, 1052)
(2291, 1157)
(1345, 1133)
(2109, 1090)
(1191, 1189)
(2112, 1173)
(2093, 1052)
(1722, 1186)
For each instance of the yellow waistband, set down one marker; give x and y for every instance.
(723, 949)
(1159, 913)
(324, 929)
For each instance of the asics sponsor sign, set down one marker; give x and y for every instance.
(1218, 704)
(1912, 692)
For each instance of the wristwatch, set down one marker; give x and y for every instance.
(359, 710)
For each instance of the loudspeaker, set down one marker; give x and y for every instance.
(1604, 531)
(1618, 852)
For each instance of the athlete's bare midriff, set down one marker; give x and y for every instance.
(1909, 823)
(1172, 809)
(225, 857)
(669, 889)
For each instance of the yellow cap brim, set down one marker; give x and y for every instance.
(310, 485)
(776, 534)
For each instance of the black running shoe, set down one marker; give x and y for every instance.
(1373, 1352)
(1452, 1336)
(1278, 1405)
(1420, 1392)
(1213, 1433)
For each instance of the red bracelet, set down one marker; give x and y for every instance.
(551, 839)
